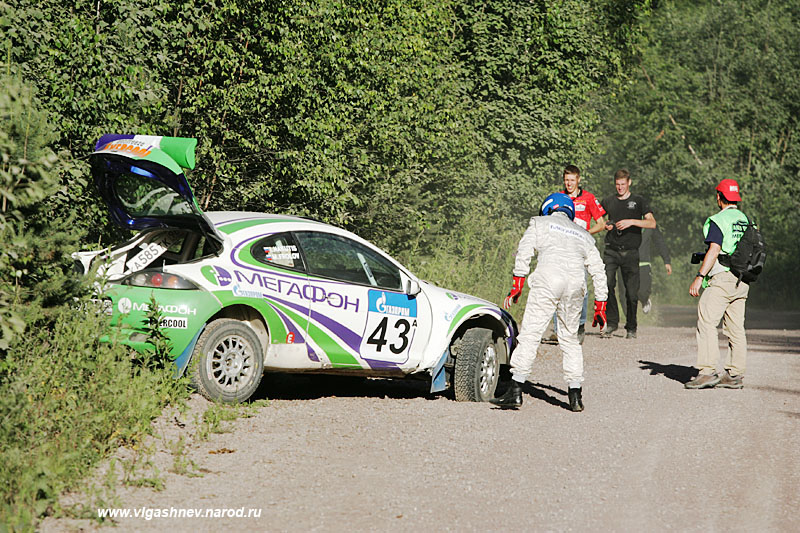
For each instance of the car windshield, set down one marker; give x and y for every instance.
(144, 196)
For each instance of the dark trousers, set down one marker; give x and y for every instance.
(627, 261)
(645, 284)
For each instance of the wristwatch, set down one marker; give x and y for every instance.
(699, 275)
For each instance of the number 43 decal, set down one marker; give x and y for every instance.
(389, 338)
(391, 325)
(402, 328)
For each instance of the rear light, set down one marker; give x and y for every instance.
(158, 280)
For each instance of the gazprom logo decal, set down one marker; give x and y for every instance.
(217, 275)
(390, 303)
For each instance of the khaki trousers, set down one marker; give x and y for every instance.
(722, 300)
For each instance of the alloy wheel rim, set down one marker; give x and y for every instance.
(230, 364)
(488, 374)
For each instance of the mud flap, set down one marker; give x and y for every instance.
(182, 361)
(439, 379)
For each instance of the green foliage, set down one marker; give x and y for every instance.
(66, 399)
(714, 97)
(28, 262)
(531, 69)
(157, 338)
(391, 118)
(474, 262)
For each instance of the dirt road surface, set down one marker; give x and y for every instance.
(351, 454)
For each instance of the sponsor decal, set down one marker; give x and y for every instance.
(134, 147)
(290, 288)
(580, 207)
(125, 305)
(450, 315)
(290, 338)
(174, 322)
(238, 291)
(217, 275)
(388, 309)
(452, 296)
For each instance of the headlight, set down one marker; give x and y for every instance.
(158, 280)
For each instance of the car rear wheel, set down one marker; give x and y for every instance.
(477, 369)
(227, 362)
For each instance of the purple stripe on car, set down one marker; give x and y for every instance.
(350, 337)
(235, 220)
(298, 336)
(312, 354)
(383, 365)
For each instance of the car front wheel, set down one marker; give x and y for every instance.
(477, 368)
(227, 362)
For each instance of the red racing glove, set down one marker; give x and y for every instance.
(516, 290)
(599, 313)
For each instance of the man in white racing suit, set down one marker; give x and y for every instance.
(563, 249)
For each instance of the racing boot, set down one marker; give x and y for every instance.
(511, 399)
(575, 400)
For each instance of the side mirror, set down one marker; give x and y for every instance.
(412, 287)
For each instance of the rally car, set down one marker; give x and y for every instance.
(242, 293)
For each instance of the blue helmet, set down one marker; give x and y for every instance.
(558, 201)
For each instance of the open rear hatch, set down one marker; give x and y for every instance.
(142, 181)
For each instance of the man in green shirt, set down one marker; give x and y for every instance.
(723, 298)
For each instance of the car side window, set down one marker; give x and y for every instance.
(337, 257)
(279, 250)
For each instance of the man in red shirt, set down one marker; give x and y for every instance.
(587, 208)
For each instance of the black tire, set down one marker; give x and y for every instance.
(477, 369)
(227, 361)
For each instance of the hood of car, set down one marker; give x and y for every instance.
(141, 178)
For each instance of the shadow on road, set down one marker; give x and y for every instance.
(679, 373)
(537, 390)
(774, 389)
(676, 316)
(316, 386)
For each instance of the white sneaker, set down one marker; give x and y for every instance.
(646, 306)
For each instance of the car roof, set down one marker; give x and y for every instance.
(230, 222)
(227, 217)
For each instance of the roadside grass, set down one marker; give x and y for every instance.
(215, 419)
(66, 401)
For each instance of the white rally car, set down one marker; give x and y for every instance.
(242, 293)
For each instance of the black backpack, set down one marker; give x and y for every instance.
(747, 260)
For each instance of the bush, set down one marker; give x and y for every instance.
(66, 400)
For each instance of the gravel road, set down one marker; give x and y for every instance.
(335, 454)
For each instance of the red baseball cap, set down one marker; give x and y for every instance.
(730, 190)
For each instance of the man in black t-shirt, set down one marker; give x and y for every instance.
(627, 214)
